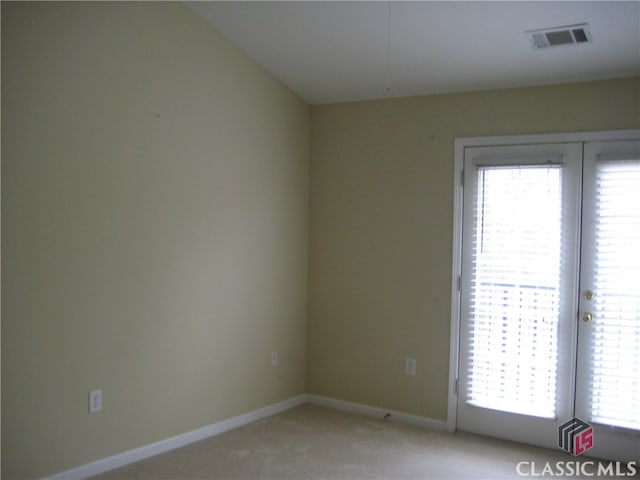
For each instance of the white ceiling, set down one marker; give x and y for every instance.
(336, 51)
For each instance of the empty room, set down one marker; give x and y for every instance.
(320, 240)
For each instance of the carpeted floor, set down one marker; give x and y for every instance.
(312, 442)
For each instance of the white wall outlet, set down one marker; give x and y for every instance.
(95, 401)
(410, 366)
(274, 359)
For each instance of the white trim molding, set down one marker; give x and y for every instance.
(171, 443)
(378, 412)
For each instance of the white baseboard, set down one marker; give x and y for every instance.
(378, 412)
(171, 443)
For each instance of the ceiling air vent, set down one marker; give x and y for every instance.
(559, 36)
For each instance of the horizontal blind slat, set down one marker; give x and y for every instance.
(515, 288)
(615, 339)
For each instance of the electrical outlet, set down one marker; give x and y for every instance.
(410, 366)
(95, 401)
(274, 359)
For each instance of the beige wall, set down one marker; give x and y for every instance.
(381, 224)
(154, 231)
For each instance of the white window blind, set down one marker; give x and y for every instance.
(615, 371)
(515, 289)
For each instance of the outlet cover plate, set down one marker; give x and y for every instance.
(95, 401)
(410, 366)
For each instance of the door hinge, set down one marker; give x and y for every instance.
(459, 282)
(457, 382)
(462, 177)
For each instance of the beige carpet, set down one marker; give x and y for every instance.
(312, 442)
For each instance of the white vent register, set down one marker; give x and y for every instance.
(559, 36)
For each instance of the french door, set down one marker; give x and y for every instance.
(550, 293)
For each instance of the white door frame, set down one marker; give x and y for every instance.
(459, 148)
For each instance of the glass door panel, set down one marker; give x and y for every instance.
(608, 368)
(518, 289)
